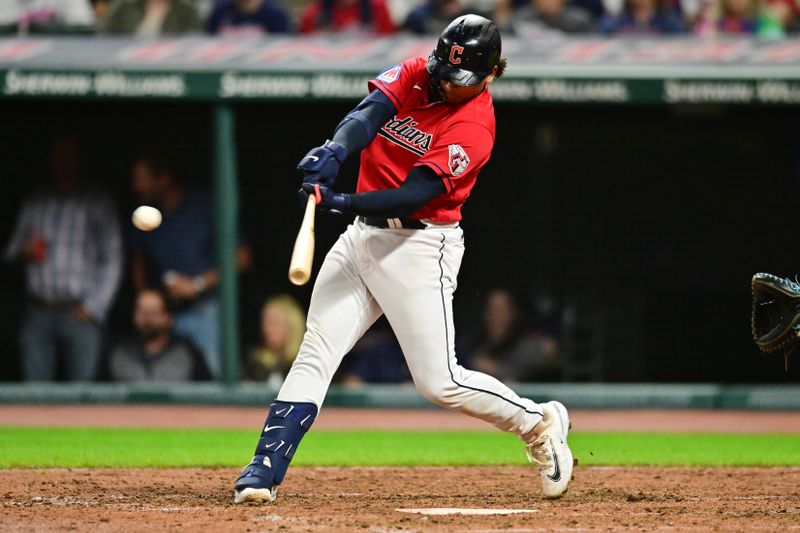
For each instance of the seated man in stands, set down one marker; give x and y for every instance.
(155, 353)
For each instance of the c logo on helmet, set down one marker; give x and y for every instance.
(456, 51)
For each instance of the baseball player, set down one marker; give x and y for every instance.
(424, 131)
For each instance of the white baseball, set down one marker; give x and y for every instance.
(146, 218)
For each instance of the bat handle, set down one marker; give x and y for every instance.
(303, 253)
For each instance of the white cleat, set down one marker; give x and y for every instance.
(549, 449)
(255, 495)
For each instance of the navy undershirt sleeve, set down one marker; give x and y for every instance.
(359, 126)
(421, 186)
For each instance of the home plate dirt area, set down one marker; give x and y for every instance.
(366, 499)
(333, 499)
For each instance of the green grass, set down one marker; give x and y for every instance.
(80, 447)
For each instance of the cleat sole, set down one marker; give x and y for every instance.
(255, 495)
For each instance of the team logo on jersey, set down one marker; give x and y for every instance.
(459, 160)
(403, 132)
(390, 74)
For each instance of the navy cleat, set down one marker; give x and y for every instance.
(286, 425)
(256, 482)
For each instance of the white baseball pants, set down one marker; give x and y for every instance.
(410, 275)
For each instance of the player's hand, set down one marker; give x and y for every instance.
(321, 164)
(327, 200)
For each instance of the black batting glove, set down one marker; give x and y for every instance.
(327, 200)
(321, 164)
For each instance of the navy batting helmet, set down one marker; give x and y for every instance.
(467, 51)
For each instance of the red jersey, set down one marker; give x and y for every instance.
(454, 140)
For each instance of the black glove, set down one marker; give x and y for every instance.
(327, 200)
(776, 313)
(321, 164)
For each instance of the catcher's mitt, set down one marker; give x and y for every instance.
(776, 313)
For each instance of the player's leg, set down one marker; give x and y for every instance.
(414, 286)
(341, 310)
(423, 269)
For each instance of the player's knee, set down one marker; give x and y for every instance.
(312, 339)
(441, 392)
(311, 356)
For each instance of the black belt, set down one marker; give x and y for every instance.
(393, 223)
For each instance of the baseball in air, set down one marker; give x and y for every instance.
(146, 218)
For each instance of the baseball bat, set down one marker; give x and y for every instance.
(303, 253)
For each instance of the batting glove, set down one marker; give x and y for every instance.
(321, 164)
(327, 200)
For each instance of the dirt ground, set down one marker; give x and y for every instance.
(367, 499)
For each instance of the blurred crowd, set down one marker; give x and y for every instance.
(75, 250)
(528, 19)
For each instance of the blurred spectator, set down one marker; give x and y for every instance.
(377, 358)
(150, 18)
(787, 12)
(283, 325)
(249, 17)
(399, 9)
(739, 17)
(444, 11)
(346, 16)
(544, 16)
(68, 237)
(154, 354)
(497, 10)
(45, 16)
(595, 8)
(643, 17)
(100, 8)
(433, 16)
(505, 348)
(179, 255)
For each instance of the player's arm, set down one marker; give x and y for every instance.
(359, 126)
(420, 187)
(354, 132)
